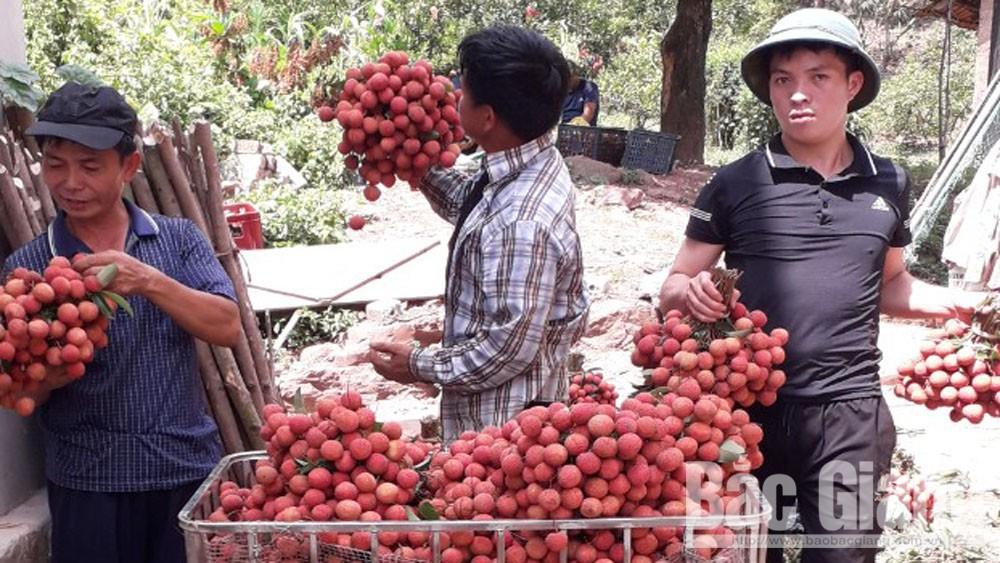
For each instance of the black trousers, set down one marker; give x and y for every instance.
(89, 527)
(835, 453)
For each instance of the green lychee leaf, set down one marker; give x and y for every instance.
(427, 511)
(119, 300)
(739, 333)
(659, 392)
(102, 305)
(79, 74)
(423, 465)
(730, 451)
(107, 275)
(303, 466)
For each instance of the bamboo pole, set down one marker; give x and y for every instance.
(239, 396)
(9, 146)
(37, 207)
(218, 399)
(7, 226)
(224, 247)
(34, 169)
(29, 206)
(22, 194)
(222, 241)
(143, 193)
(20, 233)
(19, 119)
(181, 142)
(268, 386)
(182, 188)
(244, 359)
(160, 182)
(184, 153)
(199, 182)
(5, 248)
(221, 236)
(186, 157)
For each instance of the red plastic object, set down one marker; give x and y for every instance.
(244, 224)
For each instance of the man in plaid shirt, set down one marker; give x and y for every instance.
(515, 301)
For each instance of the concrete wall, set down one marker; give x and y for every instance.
(12, 42)
(984, 48)
(21, 463)
(21, 468)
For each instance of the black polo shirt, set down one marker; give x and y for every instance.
(811, 251)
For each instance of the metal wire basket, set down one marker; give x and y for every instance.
(245, 542)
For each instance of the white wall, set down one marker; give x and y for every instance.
(12, 43)
(20, 463)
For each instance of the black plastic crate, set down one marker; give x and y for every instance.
(650, 151)
(606, 144)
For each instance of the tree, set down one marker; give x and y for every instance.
(682, 100)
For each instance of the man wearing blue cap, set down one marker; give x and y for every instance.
(127, 444)
(817, 224)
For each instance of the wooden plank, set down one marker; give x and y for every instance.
(313, 276)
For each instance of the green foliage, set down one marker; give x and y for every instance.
(921, 168)
(292, 217)
(631, 83)
(149, 51)
(78, 74)
(311, 147)
(904, 117)
(433, 30)
(747, 20)
(253, 68)
(734, 117)
(927, 264)
(272, 46)
(630, 177)
(52, 27)
(315, 327)
(17, 86)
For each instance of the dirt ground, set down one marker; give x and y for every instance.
(631, 227)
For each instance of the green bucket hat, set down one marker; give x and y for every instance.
(811, 25)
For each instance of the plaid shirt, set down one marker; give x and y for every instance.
(137, 421)
(515, 300)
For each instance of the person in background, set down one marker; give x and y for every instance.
(582, 105)
(456, 79)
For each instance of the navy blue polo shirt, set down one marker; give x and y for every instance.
(811, 251)
(137, 421)
(585, 92)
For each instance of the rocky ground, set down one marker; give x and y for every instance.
(631, 225)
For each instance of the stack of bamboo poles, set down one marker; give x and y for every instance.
(179, 177)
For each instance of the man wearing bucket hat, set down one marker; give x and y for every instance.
(817, 224)
(127, 444)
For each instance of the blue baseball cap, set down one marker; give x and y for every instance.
(96, 117)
